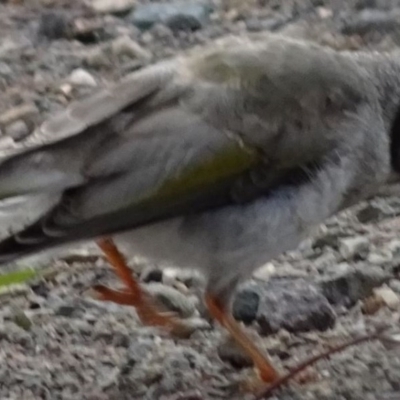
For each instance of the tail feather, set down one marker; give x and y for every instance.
(56, 159)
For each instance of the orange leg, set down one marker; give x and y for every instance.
(266, 371)
(134, 295)
(149, 313)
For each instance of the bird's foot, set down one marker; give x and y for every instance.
(148, 310)
(266, 372)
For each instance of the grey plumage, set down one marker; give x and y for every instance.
(219, 159)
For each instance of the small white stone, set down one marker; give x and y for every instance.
(265, 272)
(66, 89)
(80, 77)
(112, 6)
(172, 299)
(389, 297)
(324, 12)
(350, 247)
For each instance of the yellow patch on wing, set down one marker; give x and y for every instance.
(229, 163)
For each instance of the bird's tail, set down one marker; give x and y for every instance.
(31, 185)
(35, 181)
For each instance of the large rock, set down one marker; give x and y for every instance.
(284, 303)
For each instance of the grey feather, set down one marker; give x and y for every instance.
(219, 159)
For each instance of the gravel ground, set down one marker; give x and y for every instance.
(58, 343)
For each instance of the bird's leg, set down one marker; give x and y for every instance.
(135, 295)
(217, 310)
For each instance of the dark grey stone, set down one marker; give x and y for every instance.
(55, 25)
(370, 213)
(69, 311)
(347, 288)
(176, 15)
(245, 305)
(229, 352)
(292, 304)
(371, 20)
(154, 275)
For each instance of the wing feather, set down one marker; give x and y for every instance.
(219, 127)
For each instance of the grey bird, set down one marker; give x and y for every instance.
(219, 160)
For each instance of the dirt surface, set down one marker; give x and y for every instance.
(58, 343)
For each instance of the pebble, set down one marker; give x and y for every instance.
(112, 6)
(179, 368)
(361, 4)
(80, 77)
(21, 112)
(114, 51)
(372, 20)
(329, 239)
(265, 272)
(55, 25)
(371, 305)
(176, 15)
(139, 349)
(268, 24)
(388, 296)
(291, 304)
(345, 289)
(18, 130)
(125, 46)
(229, 351)
(172, 299)
(354, 247)
(324, 12)
(394, 248)
(97, 58)
(245, 305)
(68, 310)
(190, 278)
(151, 275)
(21, 319)
(395, 285)
(370, 213)
(296, 308)
(5, 70)
(391, 341)
(67, 90)
(89, 30)
(381, 257)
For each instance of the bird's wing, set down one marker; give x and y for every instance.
(220, 126)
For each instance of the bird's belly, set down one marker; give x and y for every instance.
(164, 243)
(237, 239)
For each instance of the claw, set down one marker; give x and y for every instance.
(134, 295)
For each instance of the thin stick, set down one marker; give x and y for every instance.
(305, 364)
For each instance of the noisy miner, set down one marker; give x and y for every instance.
(218, 160)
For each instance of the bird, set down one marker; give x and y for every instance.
(218, 159)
